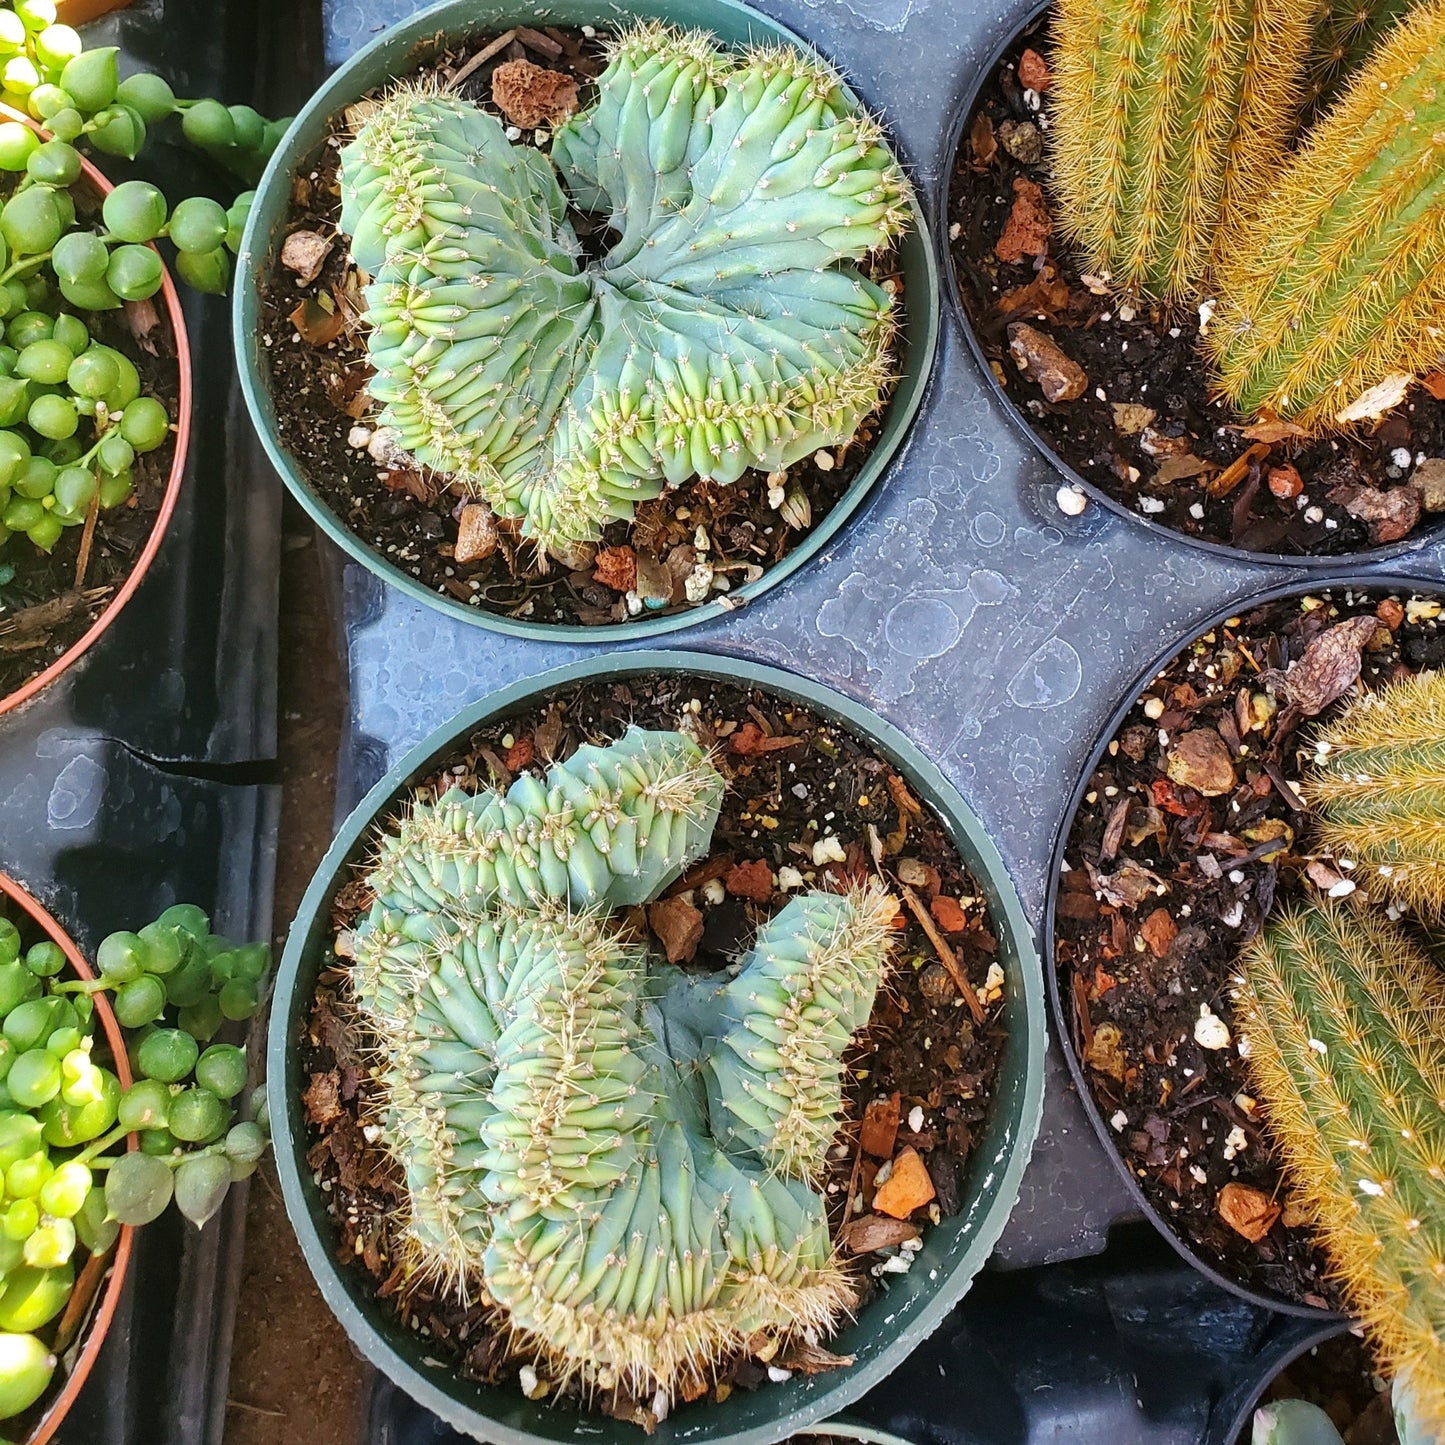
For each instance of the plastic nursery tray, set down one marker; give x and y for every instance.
(960, 602)
(1150, 1354)
(136, 780)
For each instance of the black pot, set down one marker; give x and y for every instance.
(1383, 582)
(1019, 418)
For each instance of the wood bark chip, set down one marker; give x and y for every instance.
(1158, 931)
(1039, 357)
(875, 1231)
(1389, 515)
(1329, 665)
(879, 1130)
(1237, 470)
(477, 535)
(752, 879)
(304, 253)
(945, 953)
(750, 740)
(678, 926)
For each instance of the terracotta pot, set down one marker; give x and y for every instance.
(177, 321)
(59, 1406)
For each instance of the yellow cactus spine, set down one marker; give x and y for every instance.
(1338, 287)
(1169, 118)
(1343, 1019)
(1378, 790)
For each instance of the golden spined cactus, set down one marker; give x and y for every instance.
(1338, 287)
(1346, 33)
(1342, 1022)
(1378, 790)
(1169, 117)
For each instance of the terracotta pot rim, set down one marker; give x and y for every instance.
(100, 1323)
(112, 609)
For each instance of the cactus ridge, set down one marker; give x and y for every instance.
(1344, 1019)
(1378, 789)
(1346, 33)
(615, 1156)
(726, 329)
(1169, 118)
(1340, 283)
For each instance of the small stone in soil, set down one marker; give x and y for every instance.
(1040, 359)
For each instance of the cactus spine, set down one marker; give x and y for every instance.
(617, 1157)
(1343, 1020)
(1378, 789)
(728, 328)
(1346, 33)
(1169, 117)
(1339, 284)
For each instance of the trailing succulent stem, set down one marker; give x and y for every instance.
(615, 1155)
(1378, 789)
(1343, 1018)
(726, 329)
(1169, 117)
(1338, 286)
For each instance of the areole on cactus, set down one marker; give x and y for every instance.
(727, 328)
(1340, 1015)
(615, 1155)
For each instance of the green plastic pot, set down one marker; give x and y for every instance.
(398, 53)
(884, 1333)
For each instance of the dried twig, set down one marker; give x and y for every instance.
(945, 953)
(82, 562)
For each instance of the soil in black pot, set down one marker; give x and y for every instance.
(1338, 1376)
(314, 346)
(1190, 832)
(918, 1078)
(54, 597)
(1132, 410)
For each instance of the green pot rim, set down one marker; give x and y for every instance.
(954, 1250)
(378, 61)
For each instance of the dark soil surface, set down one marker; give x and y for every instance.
(1190, 833)
(923, 1068)
(50, 604)
(294, 1374)
(411, 518)
(1145, 429)
(1340, 1378)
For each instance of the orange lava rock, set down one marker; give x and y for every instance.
(1034, 71)
(476, 533)
(520, 754)
(948, 915)
(1045, 363)
(1200, 760)
(1158, 931)
(678, 926)
(616, 568)
(879, 1129)
(1029, 225)
(907, 1188)
(1390, 612)
(752, 880)
(530, 96)
(1285, 481)
(1247, 1211)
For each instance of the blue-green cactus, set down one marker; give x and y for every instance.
(1297, 1422)
(615, 1155)
(726, 329)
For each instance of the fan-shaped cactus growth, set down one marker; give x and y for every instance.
(726, 329)
(1342, 1016)
(1338, 286)
(1169, 117)
(617, 1157)
(1378, 789)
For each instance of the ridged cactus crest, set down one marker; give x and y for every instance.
(727, 328)
(1378, 790)
(1168, 118)
(1338, 285)
(615, 1155)
(1343, 1019)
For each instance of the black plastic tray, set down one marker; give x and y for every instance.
(961, 603)
(141, 777)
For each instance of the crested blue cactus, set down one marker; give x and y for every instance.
(616, 1155)
(728, 328)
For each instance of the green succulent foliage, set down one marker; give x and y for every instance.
(561, 1106)
(727, 328)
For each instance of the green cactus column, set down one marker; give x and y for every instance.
(1378, 790)
(1338, 287)
(1168, 118)
(1342, 1019)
